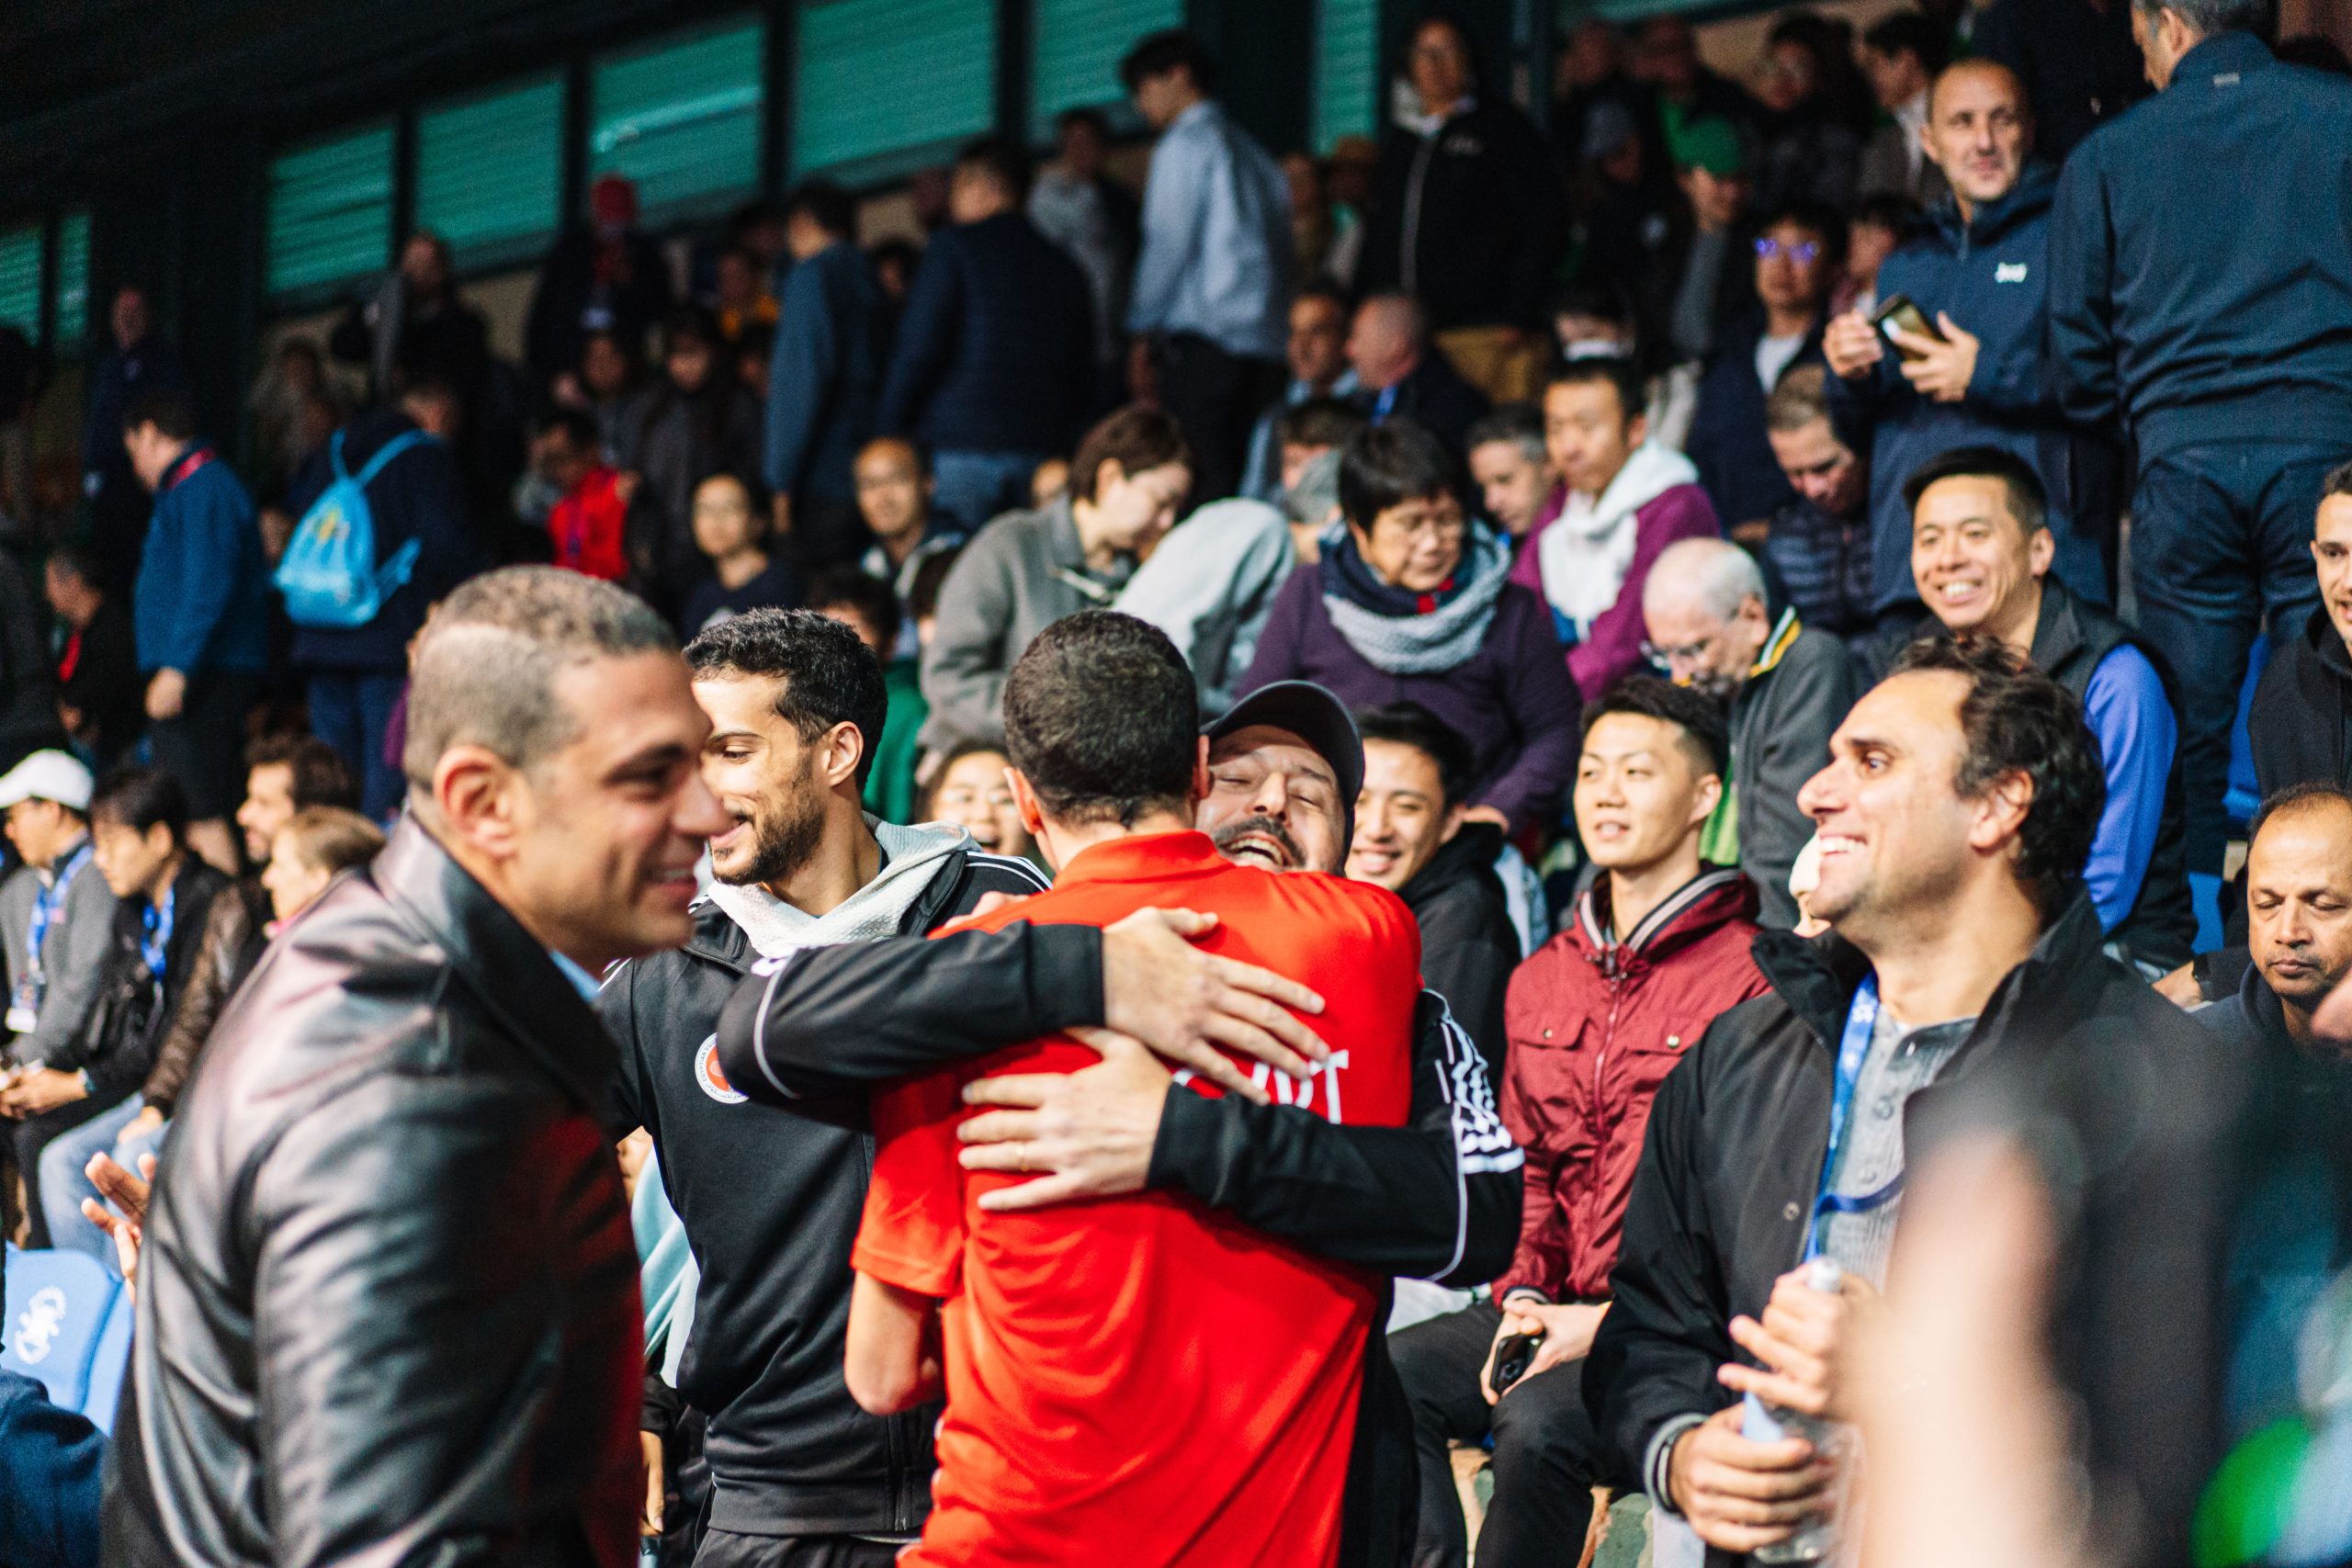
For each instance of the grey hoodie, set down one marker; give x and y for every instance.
(78, 937)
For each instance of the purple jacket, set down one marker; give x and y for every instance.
(1614, 647)
(1513, 701)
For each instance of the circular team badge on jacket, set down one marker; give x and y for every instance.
(713, 1078)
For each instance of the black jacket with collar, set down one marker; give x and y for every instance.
(1733, 1161)
(388, 1307)
(2070, 638)
(1468, 945)
(1470, 221)
(771, 1197)
(134, 1006)
(2299, 727)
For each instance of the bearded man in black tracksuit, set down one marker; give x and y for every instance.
(1436, 1198)
(770, 1196)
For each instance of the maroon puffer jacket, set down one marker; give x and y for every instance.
(1594, 1028)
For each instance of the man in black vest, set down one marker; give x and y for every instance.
(1980, 558)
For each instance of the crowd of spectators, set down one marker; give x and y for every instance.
(1714, 509)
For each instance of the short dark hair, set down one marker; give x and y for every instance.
(1160, 52)
(2015, 719)
(1706, 728)
(1410, 724)
(1607, 369)
(1320, 422)
(577, 426)
(927, 808)
(1911, 32)
(1390, 464)
(1522, 424)
(1801, 397)
(80, 563)
(2296, 797)
(691, 321)
(846, 588)
(829, 675)
(171, 410)
(1321, 288)
(1135, 437)
(1891, 211)
(2028, 502)
(320, 775)
(931, 576)
(1102, 719)
(825, 204)
(1093, 119)
(2338, 481)
(1814, 218)
(1002, 159)
(139, 798)
(2260, 17)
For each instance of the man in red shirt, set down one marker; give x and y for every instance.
(1139, 1377)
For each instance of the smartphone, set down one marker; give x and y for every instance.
(1897, 310)
(1512, 1356)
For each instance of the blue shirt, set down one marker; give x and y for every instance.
(2127, 710)
(1215, 258)
(51, 1459)
(202, 599)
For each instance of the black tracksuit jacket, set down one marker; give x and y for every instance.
(1437, 1199)
(771, 1197)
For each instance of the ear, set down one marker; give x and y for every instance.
(2040, 551)
(2001, 812)
(1107, 472)
(1454, 815)
(1638, 429)
(1025, 801)
(1710, 795)
(1201, 771)
(842, 748)
(483, 799)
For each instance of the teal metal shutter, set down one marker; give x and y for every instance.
(681, 118)
(882, 85)
(1074, 59)
(72, 319)
(331, 211)
(1346, 69)
(20, 280)
(490, 172)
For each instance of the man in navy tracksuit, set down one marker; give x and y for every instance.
(1979, 269)
(355, 675)
(199, 613)
(2200, 294)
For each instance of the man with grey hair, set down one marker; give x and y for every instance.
(388, 1301)
(1789, 685)
(2199, 288)
(1398, 373)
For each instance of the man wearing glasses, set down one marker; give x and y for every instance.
(1974, 379)
(1799, 249)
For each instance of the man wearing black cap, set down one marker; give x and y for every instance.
(1438, 1198)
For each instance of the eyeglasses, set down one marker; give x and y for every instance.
(1447, 524)
(1679, 653)
(1802, 251)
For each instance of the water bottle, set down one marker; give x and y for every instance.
(1816, 1540)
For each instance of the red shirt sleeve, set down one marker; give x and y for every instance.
(913, 1233)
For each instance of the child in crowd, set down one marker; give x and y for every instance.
(586, 527)
(730, 527)
(971, 792)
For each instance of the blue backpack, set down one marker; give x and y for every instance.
(329, 573)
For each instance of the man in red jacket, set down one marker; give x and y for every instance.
(1596, 1020)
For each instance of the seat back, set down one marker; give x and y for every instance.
(60, 1307)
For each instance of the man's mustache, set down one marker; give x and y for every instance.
(1225, 838)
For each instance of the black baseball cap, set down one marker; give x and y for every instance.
(1312, 713)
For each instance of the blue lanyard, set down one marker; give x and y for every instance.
(155, 932)
(45, 903)
(1853, 1049)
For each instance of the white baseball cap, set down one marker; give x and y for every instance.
(47, 775)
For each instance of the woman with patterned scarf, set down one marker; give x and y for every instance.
(1412, 602)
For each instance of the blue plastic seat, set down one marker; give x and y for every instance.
(67, 1326)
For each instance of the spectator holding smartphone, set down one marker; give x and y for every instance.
(1964, 368)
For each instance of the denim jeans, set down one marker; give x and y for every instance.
(350, 711)
(62, 1185)
(2220, 542)
(972, 486)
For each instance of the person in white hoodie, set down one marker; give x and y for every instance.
(1622, 498)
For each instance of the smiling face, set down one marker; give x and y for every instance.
(1978, 131)
(267, 807)
(1272, 801)
(1641, 796)
(2331, 553)
(1896, 833)
(1974, 565)
(974, 794)
(2299, 900)
(1402, 820)
(1415, 545)
(767, 779)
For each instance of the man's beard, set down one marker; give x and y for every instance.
(785, 839)
(1268, 827)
